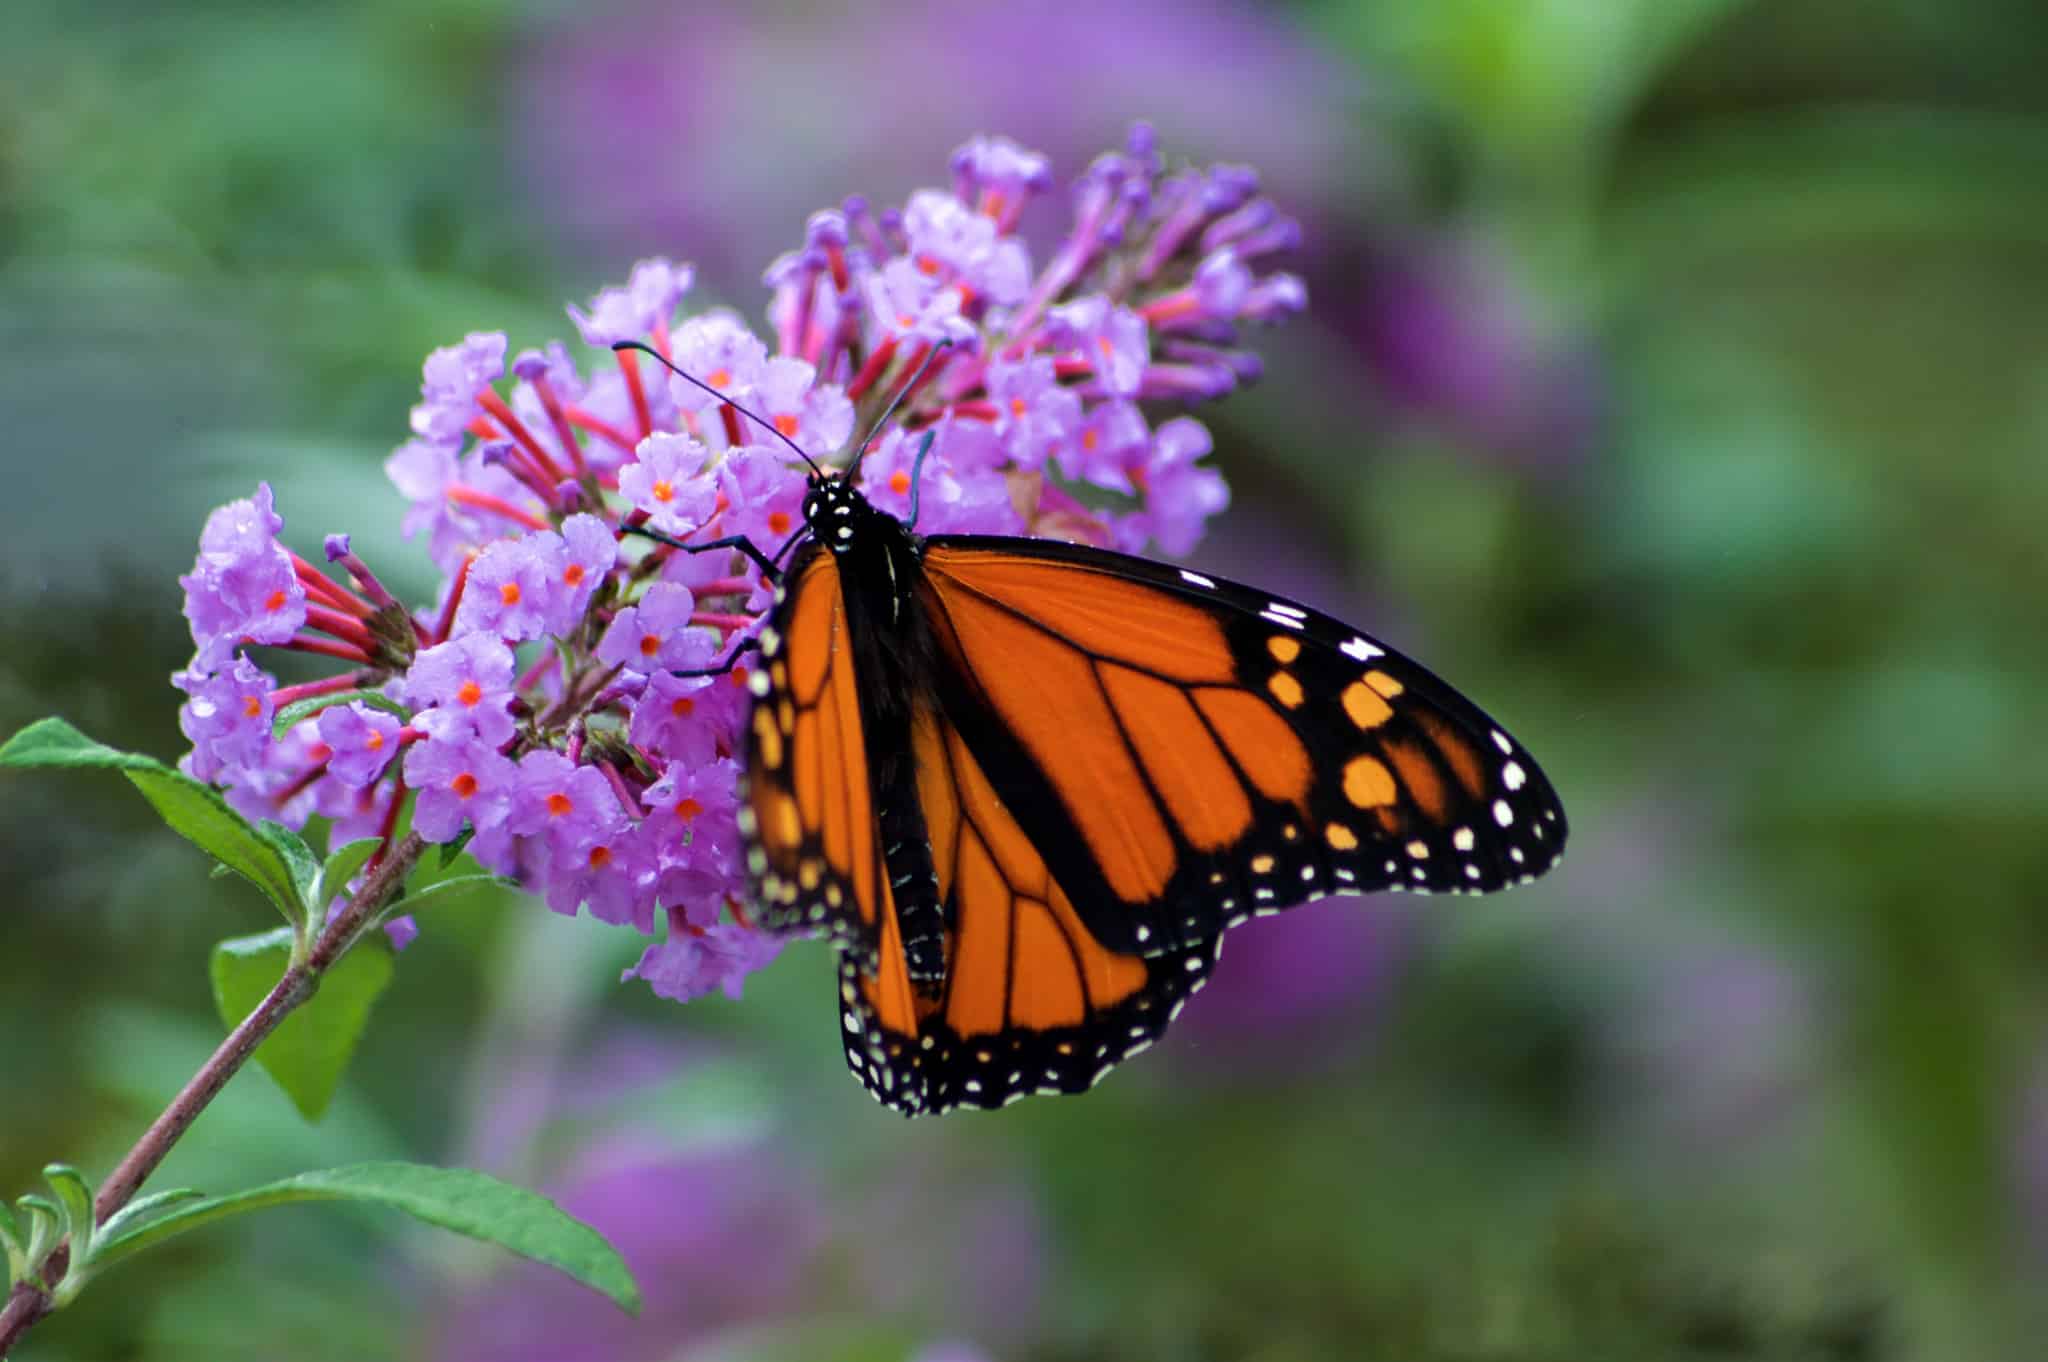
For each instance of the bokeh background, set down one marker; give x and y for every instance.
(1676, 380)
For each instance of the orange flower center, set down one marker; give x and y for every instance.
(252, 705)
(509, 593)
(787, 424)
(688, 809)
(664, 491)
(682, 707)
(899, 483)
(778, 521)
(470, 693)
(464, 785)
(718, 378)
(560, 804)
(739, 677)
(927, 266)
(600, 857)
(375, 742)
(275, 601)
(650, 644)
(573, 574)
(1016, 406)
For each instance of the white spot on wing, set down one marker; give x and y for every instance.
(1513, 776)
(1196, 579)
(1360, 649)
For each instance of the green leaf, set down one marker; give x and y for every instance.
(194, 811)
(14, 1244)
(310, 1049)
(342, 865)
(143, 1207)
(45, 1227)
(74, 1193)
(458, 1199)
(298, 711)
(450, 850)
(449, 888)
(298, 857)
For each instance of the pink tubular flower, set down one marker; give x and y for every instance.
(645, 305)
(243, 585)
(696, 962)
(550, 713)
(666, 480)
(227, 718)
(655, 635)
(460, 779)
(363, 741)
(462, 686)
(510, 586)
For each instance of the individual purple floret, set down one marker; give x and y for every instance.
(363, 741)
(243, 586)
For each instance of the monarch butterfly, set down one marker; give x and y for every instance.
(1025, 786)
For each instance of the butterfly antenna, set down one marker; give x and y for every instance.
(890, 410)
(758, 420)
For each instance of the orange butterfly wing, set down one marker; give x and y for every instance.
(814, 856)
(1188, 752)
(1030, 1000)
(1113, 761)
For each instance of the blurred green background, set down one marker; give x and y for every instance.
(1676, 380)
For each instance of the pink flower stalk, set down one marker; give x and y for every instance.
(542, 706)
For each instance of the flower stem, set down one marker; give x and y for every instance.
(30, 1300)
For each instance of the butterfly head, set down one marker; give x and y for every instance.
(833, 508)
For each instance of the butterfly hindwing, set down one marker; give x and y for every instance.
(1030, 1000)
(1188, 752)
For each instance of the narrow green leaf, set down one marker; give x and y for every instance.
(74, 1193)
(194, 811)
(298, 711)
(451, 887)
(298, 857)
(450, 850)
(458, 1199)
(45, 1227)
(342, 866)
(13, 1242)
(310, 1050)
(143, 1207)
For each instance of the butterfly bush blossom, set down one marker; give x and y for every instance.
(541, 711)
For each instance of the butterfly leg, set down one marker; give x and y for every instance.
(730, 541)
(732, 659)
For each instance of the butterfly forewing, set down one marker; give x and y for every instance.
(1189, 752)
(813, 858)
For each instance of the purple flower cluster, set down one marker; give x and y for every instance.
(542, 706)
